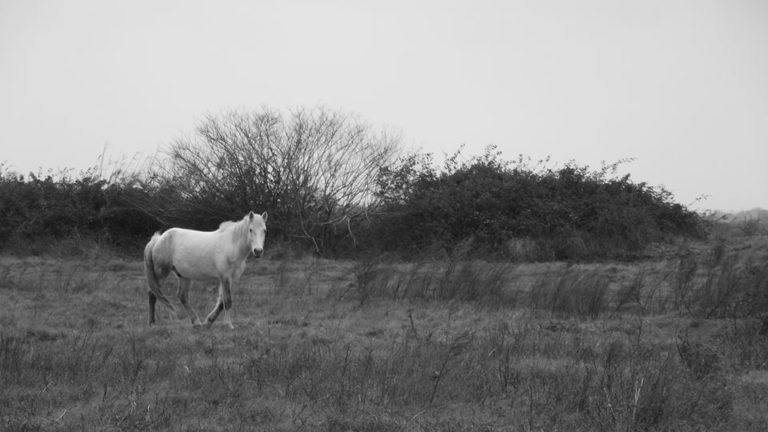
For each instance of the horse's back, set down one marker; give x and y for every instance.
(193, 254)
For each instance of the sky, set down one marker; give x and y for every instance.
(681, 86)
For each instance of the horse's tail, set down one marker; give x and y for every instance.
(149, 271)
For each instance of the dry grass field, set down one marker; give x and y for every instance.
(676, 342)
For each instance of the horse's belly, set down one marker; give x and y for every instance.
(196, 272)
(195, 266)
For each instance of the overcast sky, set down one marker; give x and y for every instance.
(680, 85)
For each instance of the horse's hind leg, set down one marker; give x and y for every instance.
(183, 294)
(152, 301)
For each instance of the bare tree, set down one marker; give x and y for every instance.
(313, 169)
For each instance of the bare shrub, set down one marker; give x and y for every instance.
(313, 170)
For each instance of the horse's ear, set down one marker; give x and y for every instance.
(250, 215)
(264, 216)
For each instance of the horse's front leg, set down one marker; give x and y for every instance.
(227, 300)
(216, 309)
(224, 302)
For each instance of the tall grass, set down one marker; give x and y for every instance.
(728, 285)
(450, 344)
(565, 292)
(627, 384)
(473, 281)
(571, 293)
(716, 283)
(61, 275)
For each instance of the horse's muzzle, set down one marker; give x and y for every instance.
(258, 253)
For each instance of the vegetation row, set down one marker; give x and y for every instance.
(337, 186)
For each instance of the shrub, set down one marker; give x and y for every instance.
(571, 212)
(58, 205)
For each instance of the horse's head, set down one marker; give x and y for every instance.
(257, 231)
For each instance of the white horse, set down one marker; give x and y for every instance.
(201, 256)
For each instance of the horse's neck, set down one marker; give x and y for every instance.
(238, 238)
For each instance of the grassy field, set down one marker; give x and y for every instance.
(676, 342)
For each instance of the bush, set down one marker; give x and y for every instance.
(40, 208)
(571, 212)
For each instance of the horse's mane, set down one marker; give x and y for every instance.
(227, 224)
(240, 226)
